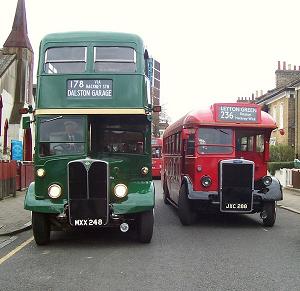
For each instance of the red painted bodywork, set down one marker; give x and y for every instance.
(177, 165)
(156, 161)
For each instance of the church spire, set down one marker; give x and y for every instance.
(19, 36)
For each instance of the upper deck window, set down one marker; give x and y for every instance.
(114, 59)
(62, 60)
(215, 141)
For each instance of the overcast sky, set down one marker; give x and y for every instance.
(210, 51)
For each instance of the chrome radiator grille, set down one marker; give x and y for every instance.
(88, 190)
(236, 185)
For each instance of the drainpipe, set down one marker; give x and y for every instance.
(296, 124)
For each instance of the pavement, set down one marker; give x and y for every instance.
(15, 219)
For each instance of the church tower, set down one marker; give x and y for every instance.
(18, 44)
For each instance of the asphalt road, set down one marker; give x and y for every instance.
(219, 252)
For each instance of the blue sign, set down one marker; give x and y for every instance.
(150, 70)
(16, 150)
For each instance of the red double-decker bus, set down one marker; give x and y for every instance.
(156, 156)
(216, 159)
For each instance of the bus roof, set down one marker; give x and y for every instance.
(92, 36)
(112, 90)
(244, 115)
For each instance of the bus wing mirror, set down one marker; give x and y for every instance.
(146, 54)
(25, 110)
(26, 122)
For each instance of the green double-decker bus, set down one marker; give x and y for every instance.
(93, 135)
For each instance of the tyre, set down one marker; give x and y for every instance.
(186, 214)
(165, 193)
(40, 228)
(145, 226)
(270, 213)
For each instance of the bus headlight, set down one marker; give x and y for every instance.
(40, 172)
(267, 180)
(54, 191)
(120, 190)
(144, 171)
(206, 181)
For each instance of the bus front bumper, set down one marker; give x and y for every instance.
(135, 203)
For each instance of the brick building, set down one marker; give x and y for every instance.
(16, 75)
(282, 103)
(154, 77)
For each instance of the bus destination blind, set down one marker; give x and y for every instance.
(242, 114)
(96, 89)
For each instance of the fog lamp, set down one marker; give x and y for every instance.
(120, 190)
(54, 191)
(144, 171)
(206, 181)
(267, 180)
(40, 172)
(124, 227)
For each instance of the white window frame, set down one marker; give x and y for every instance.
(281, 116)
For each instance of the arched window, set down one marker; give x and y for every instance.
(5, 137)
(27, 145)
(275, 113)
(281, 116)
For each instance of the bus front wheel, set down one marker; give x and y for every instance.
(269, 213)
(40, 228)
(186, 214)
(145, 226)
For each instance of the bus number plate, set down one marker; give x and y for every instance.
(88, 222)
(95, 89)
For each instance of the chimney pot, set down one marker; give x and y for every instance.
(278, 65)
(295, 68)
(284, 66)
(289, 67)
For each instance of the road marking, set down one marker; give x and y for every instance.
(13, 252)
(8, 241)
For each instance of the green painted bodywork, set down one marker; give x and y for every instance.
(129, 91)
(139, 199)
(123, 168)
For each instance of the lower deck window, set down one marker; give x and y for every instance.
(156, 152)
(118, 134)
(249, 141)
(61, 135)
(214, 140)
(121, 141)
